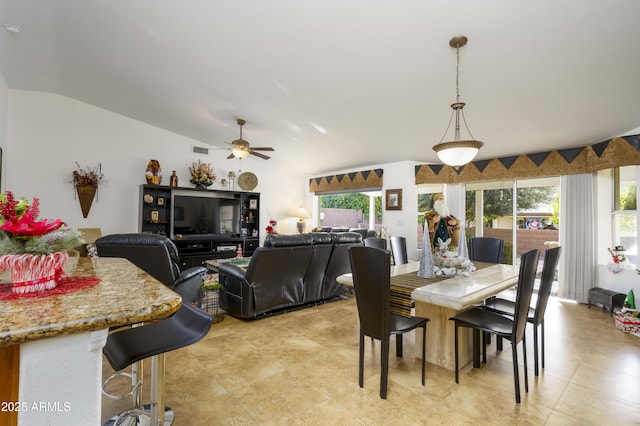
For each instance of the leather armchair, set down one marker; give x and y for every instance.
(157, 256)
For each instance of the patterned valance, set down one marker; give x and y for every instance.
(365, 179)
(622, 151)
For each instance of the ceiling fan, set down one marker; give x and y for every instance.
(240, 148)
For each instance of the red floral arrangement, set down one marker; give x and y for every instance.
(22, 232)
(271, 228)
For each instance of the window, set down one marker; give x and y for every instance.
(625, 217)
(489, 212)
(351, 210)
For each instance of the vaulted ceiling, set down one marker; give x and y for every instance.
(339, 84)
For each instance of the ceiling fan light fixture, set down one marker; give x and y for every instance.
(457, 152)
(239, 152)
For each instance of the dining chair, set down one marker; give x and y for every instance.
(371, 269)
(486, 249)
(377, 242)
(399, 250)
(513, 329)
(535, 315)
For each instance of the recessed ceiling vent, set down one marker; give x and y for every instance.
(199, 150)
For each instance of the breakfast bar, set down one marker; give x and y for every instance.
(51, 344)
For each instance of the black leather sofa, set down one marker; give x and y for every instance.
(366, 233)
(289, 271)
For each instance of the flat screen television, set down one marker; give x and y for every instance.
(205, 213)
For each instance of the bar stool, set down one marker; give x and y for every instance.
(127, 346)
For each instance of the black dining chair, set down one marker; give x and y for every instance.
(535, 315)
(486, 249)
(380, 243)
(371, 269)
(399, 250)
(513, 329)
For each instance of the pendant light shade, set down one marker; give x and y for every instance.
(457, 152)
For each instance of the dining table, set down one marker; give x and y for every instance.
(440, 298)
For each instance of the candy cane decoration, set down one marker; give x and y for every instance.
(30, 273)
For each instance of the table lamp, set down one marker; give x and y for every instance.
(303, 214)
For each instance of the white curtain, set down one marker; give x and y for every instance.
(577, 269)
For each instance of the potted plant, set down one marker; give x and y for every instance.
(33, 250)
(211, 298)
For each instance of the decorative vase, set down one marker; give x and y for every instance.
(201, 184)
(86, 193)
(31, 273)
(153, 173)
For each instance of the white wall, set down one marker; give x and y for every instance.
(48, 133)
(4, 105)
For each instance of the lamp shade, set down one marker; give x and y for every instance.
(302, 213)
(457, 153)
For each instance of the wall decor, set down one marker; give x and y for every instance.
(393, 199)
(247, 181)
(85, 182)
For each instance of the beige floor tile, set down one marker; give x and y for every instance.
(301, 368)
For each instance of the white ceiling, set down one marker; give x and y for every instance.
(340, 84)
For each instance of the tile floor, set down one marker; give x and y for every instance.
(302, 368)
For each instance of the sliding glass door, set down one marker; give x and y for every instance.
(527, 221)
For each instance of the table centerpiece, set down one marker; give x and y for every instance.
(32, 250)
(448, 263)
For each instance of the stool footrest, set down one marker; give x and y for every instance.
(139, 417)
(134, 387)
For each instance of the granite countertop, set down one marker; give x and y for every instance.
(125, 295)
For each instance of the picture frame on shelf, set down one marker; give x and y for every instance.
(253, 204)
(160, 201)
(393, 199)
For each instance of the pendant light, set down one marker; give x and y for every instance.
(457, 152)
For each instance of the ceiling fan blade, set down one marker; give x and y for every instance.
(257, 154)
(231, 156)
(265, 148)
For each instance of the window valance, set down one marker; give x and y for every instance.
(621, 151)
(364, 179)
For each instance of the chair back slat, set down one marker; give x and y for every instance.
(486, 249)
(380, 243)
(551, 258)
(526, 280)
(371, 269)
(399, 250)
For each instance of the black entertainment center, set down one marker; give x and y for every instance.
(204, 224)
